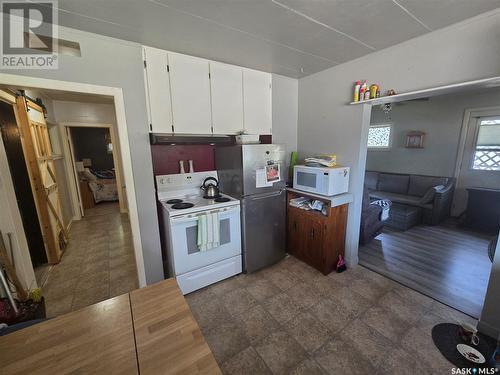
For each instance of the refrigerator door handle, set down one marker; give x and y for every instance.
(274, 194)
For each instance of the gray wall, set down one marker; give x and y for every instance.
(441, 119)
(111, 62)
(90, 143)
(462, 52)
(285, 109)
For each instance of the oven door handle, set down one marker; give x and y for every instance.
(194, 216)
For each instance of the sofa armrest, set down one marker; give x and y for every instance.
(441, 205)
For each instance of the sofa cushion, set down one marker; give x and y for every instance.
(393, 183)
(371, 180)
(419, 185)
(400, 198)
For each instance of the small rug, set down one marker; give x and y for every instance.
(446, 338)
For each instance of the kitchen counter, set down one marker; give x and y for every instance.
(335, 200)
(148, 331)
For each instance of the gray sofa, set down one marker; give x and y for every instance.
(432, 194)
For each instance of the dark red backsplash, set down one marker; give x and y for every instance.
(166, 157)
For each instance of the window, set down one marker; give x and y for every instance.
(379, 136)
(486, 154)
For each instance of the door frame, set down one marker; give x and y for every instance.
(117, 94)
(71, 164)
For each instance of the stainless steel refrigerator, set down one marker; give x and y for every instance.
(263, 208)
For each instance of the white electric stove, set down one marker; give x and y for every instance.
(182, 204)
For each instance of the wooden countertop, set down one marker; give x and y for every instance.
(167, 336)
(96, 339)
(150, 330)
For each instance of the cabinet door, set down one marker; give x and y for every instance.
(314, 235)
(226, 84)
(296, 230)
(257, 102)
(190, 88)
(158, 90)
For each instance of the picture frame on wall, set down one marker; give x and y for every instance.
(415, 139)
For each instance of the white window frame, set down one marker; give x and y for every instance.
(476, 136)
(381, 148)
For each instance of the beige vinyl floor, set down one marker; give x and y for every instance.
(290, 319)
(97, 264)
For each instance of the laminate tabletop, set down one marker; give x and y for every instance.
(148, 331)
(97, 339)
(167, 336)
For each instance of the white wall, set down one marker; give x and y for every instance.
(285, 111)
(441, 119)
(465, 51)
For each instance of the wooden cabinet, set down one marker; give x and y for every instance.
(257, 116)
(190, 90)
(314, 238)
(226, 87)
(158, 90)
(190, 95)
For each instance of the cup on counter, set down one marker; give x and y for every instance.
(468, 333)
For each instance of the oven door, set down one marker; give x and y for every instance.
(309, 180)
(184, 234)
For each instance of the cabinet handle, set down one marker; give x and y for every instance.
(312, 233)
(295, 225)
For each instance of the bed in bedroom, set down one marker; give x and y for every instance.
(101, 184)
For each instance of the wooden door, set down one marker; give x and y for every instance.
(257, 102)
(190, 88)
(226, 85)
(314, 242)
(158, 90)
(38, 154)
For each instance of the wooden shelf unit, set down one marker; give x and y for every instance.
(314, 238)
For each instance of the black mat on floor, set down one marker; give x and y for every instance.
(446, 338)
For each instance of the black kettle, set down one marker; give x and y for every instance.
(211, 190)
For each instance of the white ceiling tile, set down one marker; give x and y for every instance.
(437, 14)
(378, 23)
(270, 35)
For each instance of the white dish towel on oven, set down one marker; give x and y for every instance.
(208, 231)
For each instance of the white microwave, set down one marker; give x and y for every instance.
(321, 180)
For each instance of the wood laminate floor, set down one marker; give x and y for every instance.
(448, 264)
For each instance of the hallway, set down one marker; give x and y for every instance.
(98, 263)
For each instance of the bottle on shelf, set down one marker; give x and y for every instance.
(357, 86)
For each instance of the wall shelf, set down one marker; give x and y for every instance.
(435, 91)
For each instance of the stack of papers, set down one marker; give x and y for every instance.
(326, 160)
(299, 202)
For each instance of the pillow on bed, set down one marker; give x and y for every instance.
(86, 174)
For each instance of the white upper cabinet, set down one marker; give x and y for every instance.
(158, 90)
(226, 83)
(190, 88)
(257, 114)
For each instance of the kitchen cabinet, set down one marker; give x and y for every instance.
(190, 89)
(158, 90)
(226, 84)
(257, 116)
(314, 238)
(190, 95)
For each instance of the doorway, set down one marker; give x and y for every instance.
(99, 258)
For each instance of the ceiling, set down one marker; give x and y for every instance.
(290, 37)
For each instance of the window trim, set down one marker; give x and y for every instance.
(381, 125)
(474, 149)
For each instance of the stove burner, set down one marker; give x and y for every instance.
(216, 197)
(221, 199)
(173, 201)
(182, 206)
